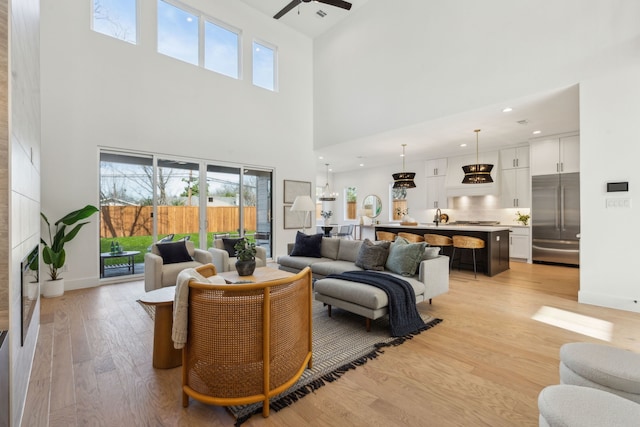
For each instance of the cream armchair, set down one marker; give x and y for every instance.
(157, 274)
(224, 262)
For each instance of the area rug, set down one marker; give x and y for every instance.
(340, 343)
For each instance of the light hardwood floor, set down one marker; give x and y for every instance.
(483, 365)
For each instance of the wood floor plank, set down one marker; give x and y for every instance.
(484, 365)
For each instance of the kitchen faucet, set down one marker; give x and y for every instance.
(437, 218)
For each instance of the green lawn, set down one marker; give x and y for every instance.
(142, 243)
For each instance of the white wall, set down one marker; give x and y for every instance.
(392, 65)
(609, 152)
(426, 60)
(101, 92)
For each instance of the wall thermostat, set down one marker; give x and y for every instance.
(613, 187)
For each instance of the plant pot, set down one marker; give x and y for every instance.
(245, 268)
(53, 288)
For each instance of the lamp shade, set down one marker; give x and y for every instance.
(303, 204)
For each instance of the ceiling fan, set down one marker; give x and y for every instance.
(294, 3)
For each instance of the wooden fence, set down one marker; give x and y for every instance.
(126, 221)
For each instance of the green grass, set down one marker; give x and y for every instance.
(142, 243)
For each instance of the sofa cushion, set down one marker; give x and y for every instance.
(332, 267)
(174, 252)
(404, 257)
(349, 249)
(300, 262)
(431, 252)
(360, 293)
(373, 256)
(329, 247)
(307, 245)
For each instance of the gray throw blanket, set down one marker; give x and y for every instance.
(404, 318)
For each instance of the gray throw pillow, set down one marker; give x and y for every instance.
(404, 257)
(372, 256)
(431, 252)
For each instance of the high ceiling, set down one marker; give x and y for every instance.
(550, 113)
(304, 18)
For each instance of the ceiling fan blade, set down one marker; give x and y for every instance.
(286, 9)
(337, 3)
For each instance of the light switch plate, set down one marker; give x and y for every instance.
(618, 203)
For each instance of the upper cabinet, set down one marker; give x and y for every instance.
(436, 192)
(555, 155)
(436, 167)
(513, 158)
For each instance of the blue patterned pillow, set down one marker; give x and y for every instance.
(404, 257)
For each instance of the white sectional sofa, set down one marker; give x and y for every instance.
(339, 255)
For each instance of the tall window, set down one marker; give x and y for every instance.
(177, 33)
(116, 18)
(351, 209)
(264, 66)
(221, 50)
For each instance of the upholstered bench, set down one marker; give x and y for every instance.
(602, 367)
(575, 406)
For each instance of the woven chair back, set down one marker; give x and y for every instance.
(413, 238)
(247, 342)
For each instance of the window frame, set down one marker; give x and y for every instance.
(136, 19)
(274, 48)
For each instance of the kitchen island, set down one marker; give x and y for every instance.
(491, 260)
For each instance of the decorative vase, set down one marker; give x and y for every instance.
(53, 288)
(245, 268)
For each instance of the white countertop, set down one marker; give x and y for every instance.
(485, 228)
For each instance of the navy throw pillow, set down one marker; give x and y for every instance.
(307, 245)
(174, 252)
(229, 246)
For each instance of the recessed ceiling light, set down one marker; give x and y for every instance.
(321, 157)
(463, 145)
(361, 164)
(537, 132)
(507, 110)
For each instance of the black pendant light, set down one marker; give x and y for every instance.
(480, 173)
(403, 179)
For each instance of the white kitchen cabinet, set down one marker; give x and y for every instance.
(513, 158)
(516, 188)
(555, 155)
(436, 192)
(436, 167)
(520, 243)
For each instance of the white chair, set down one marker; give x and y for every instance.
(157, 274)
(345, 231)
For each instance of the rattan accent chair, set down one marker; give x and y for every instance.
(246, 342)
(412, 237)
(386, 236)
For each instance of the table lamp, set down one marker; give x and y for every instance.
(303, 204)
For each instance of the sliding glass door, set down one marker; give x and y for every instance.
(145, 198)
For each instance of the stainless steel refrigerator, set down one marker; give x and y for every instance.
(555, 218)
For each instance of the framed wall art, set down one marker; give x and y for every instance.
(292, 189)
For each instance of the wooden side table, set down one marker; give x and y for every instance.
(165, 356)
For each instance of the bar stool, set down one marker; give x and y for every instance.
(466, 242)
(413, 238)
(438, 240)
(385, 236)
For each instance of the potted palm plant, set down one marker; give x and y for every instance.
(246, 254)
(53, 253)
